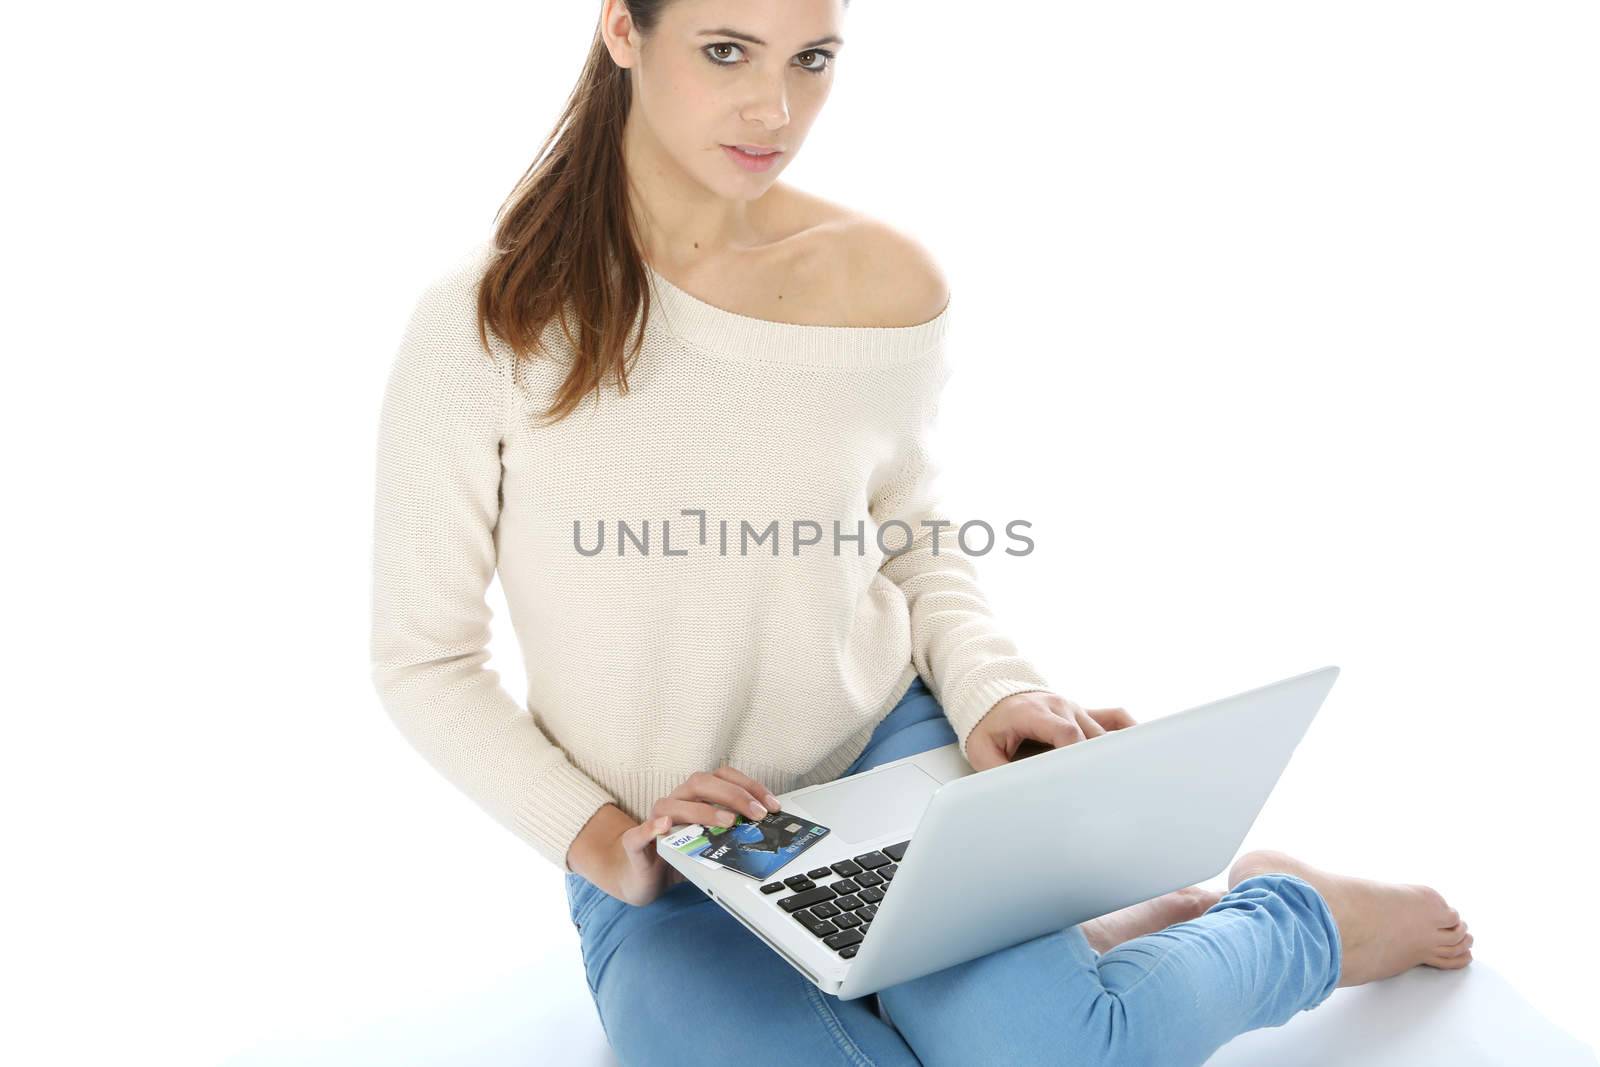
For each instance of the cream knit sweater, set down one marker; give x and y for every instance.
(673, 650)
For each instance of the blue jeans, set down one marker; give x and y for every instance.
(681, 981)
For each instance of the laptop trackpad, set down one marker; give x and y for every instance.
(864, 806)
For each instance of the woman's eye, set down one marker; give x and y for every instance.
(713, 53)
(827, 61)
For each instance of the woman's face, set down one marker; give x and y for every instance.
(720, 73)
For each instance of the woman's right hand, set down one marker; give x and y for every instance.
(708, 798)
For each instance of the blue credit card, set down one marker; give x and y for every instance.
(759, 848)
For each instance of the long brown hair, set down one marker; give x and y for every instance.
(564, 239)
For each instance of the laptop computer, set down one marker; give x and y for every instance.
(928, 863)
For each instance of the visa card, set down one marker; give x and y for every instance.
(759, 848)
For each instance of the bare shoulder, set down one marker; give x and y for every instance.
(889, 278)
(893, 276)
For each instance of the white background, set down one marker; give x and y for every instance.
(1277, 321)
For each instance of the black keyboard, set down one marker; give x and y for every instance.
(839, 912)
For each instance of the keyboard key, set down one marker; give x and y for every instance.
(844, 868)
(825, 910)
(870, 860)
(846, 919)
(845, 885)
(896, 852)
(848, 951)
(806, 899)
(869, 896)
(820, 872)
(842, 939)
(821, 927)
(773, 887)
(798, 882)
(866, 878)
(850, 902)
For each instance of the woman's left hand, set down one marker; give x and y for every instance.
(1038, 716)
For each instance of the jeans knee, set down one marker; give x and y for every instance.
(1128, 1036)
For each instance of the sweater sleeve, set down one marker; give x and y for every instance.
(434, 553)
(956, 644)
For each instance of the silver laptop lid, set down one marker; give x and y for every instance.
(1050, 841)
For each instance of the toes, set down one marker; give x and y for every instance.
(1445, 917)
(1453, 955)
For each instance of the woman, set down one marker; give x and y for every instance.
(775, 358)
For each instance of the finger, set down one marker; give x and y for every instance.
(1113, 718)
(1055, 730)
(684, 812)
(983, 751)
(753, 787)
(638, 839)
(1088, 725)
(710, 788)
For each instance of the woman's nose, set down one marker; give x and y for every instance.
(770, 108)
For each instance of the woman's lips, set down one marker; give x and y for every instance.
(750, 162)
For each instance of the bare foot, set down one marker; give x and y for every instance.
(1146, 917)
(1385, 927)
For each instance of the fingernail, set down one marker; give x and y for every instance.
(757, 811)
(772, 802)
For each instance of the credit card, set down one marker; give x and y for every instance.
(759, 848)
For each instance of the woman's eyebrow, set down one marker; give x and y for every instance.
(726, 32)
